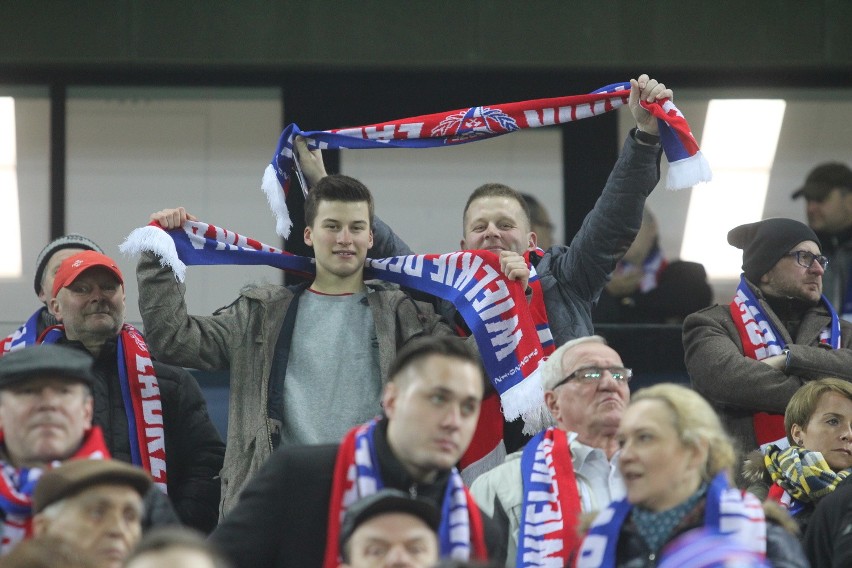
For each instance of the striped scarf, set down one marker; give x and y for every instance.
(492, 306)
(24, 336)
(761, 339)
(551, 503)
(357, 475)
(17, 486)
(802, 474)
(487, 450)
(141, 395)
(727, 511)
(687, 166)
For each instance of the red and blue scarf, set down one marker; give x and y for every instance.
(494, 307)
(17, 486)
(357, 475)
(727, 511)
(687, 166)
(761, 340)
(140, 392)
(24, 336)
(551, 502)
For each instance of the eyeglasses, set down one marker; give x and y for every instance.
(806, 258)
(593, 374)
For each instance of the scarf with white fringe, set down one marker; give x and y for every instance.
(495, 308)
(687, 166)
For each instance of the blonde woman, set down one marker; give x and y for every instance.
(675, 460)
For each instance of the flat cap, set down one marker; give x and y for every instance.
(45, 360)
(388, 501)
(73, 477)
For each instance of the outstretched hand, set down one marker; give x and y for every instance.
(649, 90)
(172, 218)
(310, 161)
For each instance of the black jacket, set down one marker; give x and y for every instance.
(194, 449)
(828, 542)
(282, 515)
(782, 547)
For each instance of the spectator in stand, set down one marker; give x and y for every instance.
(828, 203)
(390, 528)
(152, 415)
(779, 332)
(586, 391)
(47, 264)
(571, 278)
(285, 388)
(289, 514)
(816, 454)
(647, 288)
(45, 419)
(176, 548)
(95, 505)
(675, 458)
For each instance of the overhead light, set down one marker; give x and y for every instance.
(10, 217)
(739, 140)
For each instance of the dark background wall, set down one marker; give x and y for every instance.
(343, 63)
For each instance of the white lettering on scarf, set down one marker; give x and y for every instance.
(759, 332)
(152, 412)
(386, 132)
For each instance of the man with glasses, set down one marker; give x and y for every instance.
(749, 357)
(586, 391)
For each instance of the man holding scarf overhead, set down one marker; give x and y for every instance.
(749, 358)
(570, 278)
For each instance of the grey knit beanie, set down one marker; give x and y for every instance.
(71, 240)
(764, 243)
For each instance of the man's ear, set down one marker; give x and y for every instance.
(389, 397)
(40, 524)
(532, 239)
(308, 240)
(88, 409)
(552, 402)
(371, 239)
(54, 308)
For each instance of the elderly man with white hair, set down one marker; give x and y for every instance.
(540, 491)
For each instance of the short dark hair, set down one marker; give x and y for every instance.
(171, 537)
(420, 348)
(337, 187)
(496, 190)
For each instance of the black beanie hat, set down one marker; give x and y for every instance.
(764, 243)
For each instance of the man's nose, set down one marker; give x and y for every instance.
(397, 557)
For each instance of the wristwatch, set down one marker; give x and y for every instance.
(646, 138)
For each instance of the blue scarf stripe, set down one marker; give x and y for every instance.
(135, 456)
